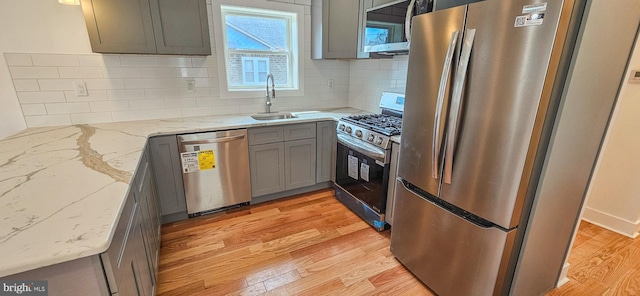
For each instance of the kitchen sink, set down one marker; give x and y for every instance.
(273, 116)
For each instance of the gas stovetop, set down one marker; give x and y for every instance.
(388, 125)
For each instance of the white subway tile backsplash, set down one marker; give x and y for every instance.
(132, 60)
(155, 83)
(180, 103)
(34, 109)
(174, 61)
(48, 120)
(26, 85)
(18, 59)
(232, 109)
(55, 59)
(98, 60)
(56, 84)
(158, 72)
(94, 117)
(33, 72)
(206, 82)
(130, 115)
(193, 72)
(104, 84)
(161, 93)
(108, 106)
(67, 108)
(136, 87)
(125, 94)
(204, 62)
(164, 113)
(121, 72)
(94, 95)
(80, 72)
(146, 104)
(40, 97)
(200, 92)
(197, 111)
(208, 102)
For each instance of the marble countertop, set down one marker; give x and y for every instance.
(62, 189)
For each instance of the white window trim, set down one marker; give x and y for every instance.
(296, 46)
(256, 72)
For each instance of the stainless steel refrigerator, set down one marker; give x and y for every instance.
(483, 88)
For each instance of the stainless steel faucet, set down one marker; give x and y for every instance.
(273, 92)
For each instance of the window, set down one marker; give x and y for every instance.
(258, 42)
(254, 70)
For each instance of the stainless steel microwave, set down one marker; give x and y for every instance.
(388, 22)
(388, 25)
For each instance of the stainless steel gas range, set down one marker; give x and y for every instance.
(363, 159)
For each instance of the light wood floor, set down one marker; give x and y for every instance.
(312, 245)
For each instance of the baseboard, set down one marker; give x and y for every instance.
(563, 275)
(613, 223)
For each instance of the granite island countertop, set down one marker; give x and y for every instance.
(62, 188)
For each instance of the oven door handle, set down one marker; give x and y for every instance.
(364, 148)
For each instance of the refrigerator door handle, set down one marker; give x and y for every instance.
(456, 101)
(442, 90)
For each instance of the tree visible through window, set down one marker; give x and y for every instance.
(259, 42)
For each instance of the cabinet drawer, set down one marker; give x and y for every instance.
(265, 135)
(299, 131)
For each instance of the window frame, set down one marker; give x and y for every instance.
(296, 48)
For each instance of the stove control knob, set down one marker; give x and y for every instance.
(359, 133)
(370, 138)
(341, 127)
(348, 129)
(379, 141)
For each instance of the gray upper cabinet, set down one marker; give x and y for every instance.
(326, 151)
(148, 26)
(168, 175)
(119, 26)
(341, 24)
(181, 26)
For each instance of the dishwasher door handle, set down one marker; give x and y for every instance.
(212, 141)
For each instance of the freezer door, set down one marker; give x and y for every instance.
(431, 60)
(502, 108)
(451, 255)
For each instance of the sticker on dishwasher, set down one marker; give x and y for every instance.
(189, 162)
(364, 171)
(206, 160)
(353, 167)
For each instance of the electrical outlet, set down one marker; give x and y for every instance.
(331, 83)
(191, 85)
(81, 89)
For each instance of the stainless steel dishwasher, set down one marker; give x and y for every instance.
(215, 170)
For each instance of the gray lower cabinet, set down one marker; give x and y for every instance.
(267, 163)
(168, 176)
(282, 158)
(300, 163)
(148, 26)
(325, 151)
(131, 262)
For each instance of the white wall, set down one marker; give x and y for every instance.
(28, 26)
(614, 194)
(125, 87)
